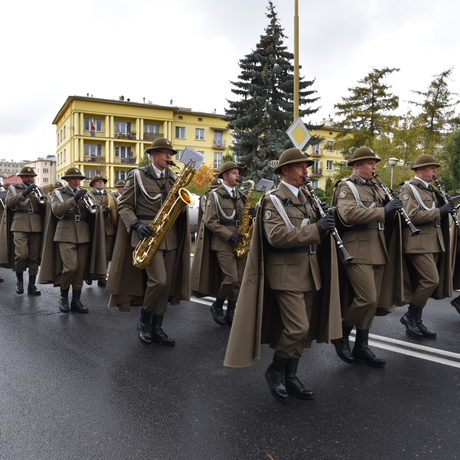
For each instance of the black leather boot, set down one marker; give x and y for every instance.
(217, 313)
(102, 283)
(76, 306)
(144, 327)
(158, 335)
(456, 303)
(275, 378)
(229, 315)
(64, 300)
(362, 352)
(20, 282)
(31, 289)
(426, 333)
(293, 385)
(342, 346)
(410, 321)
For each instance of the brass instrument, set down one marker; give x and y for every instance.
(389, 193)
(447, 200)
(167, 215)
(111, 203)
(90, 203)
(2, 198)
(39, 195)
(346, 258)
(247, 224)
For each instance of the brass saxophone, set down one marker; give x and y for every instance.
(164, 220)
(247, 224)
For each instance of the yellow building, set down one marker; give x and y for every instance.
(108, 137)
(327, 160)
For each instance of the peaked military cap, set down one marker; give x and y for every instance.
(227, 166)
(290, 156)
(161, 143)
(73, 172)
(425, 160)
(27, 171)
(120, 183)
(363, 153)
(97, 177)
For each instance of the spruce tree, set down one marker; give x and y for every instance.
(264, 111)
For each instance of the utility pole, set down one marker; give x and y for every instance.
(296, 60)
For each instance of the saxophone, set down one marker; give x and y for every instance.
(247, 224)
(164, 220)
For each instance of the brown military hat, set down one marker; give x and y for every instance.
(27, 171)
(227, 166)
(290, 156)
(215, 183)
(363, 153)
(120, 183)
(97, 177)
(73, 172)
(161, 143)
(58, 184)
(425, 160)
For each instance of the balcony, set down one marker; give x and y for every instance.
(219, 145)
(129, 136)
(317, 153)
(93, 159)
(152, 136)
(316, 172)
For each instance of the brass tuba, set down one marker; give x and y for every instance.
(164, 220)
(111, 203)
(247, 224)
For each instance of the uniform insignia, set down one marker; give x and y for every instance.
(209, 203)
(267, 215)
(405, 197)
(128, 183)
(343, 194)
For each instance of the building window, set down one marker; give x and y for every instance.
(316, 149)
(330, 165)
(122, 127)
(179, 154)
(93, 125)
(218, 139)
(217, 160)
(45, 170)
(329, 145)
(89, 173)
(200, 119)
(92, 150)
(314, 183)
(343, 164)
(64, 155)
(64, 131)
(181, 117)
(45, 180)
(123, 152)
(154, 129)
(199, 134)
(121, 175)
(180, 132)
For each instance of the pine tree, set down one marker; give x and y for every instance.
(365, 111)
(264, 111)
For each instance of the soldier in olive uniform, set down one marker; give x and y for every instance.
(120, 186)
(425, 208)
(99, 194)
(2, 209)
(362, 210)
(167, 277)
(27, 228)
(215, 183)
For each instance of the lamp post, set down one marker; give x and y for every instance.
(393, 161)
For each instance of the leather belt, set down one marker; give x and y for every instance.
(303, 249)
(145, 217)
(378, 226)
(233, 223)
(74, 218)
(29, 211)
(435, 223)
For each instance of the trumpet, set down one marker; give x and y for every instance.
(39, 195)
(447, 200)
(90, 203)
(413, 230)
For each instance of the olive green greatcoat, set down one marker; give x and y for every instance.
(125, 283)
(257, 316)
(56, 230)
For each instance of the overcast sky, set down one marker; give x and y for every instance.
(188, 51)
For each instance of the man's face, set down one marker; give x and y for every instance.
(295, 173)
(231, 177)
(365, 169)
(74, 182)
(120, 189)
(28, 180)
(161, 158)
(426, 173)
(98, 184)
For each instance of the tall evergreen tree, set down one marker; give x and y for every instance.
(365, 112)
(264, 111)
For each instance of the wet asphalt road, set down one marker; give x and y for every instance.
(82, 387)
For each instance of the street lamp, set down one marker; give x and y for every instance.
(393, 161)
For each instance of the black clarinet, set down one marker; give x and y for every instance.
(346, 258)
(447, 200)
(389, 193)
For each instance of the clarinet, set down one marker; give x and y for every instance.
(447, 200)
(389, 193)
(346, 258)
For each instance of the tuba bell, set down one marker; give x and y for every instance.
(111, 203)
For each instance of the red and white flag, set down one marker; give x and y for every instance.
(93, 128)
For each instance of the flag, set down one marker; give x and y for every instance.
(93, 128)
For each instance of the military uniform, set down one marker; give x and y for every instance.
(27, 229)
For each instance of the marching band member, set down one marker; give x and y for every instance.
(428, 254)
(167, 278)
(120, 186)
(215, 183)
(26, 227)
(289, 294)
(216, 269)
(68, 255)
